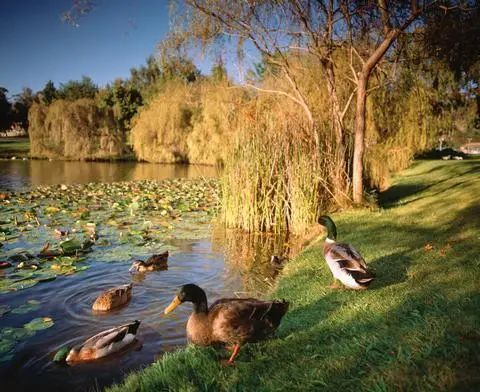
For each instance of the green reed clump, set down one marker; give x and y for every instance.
(274, 178)
(76, 130)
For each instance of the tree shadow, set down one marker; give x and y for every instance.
(386, 347)
(390, 270)
(395, 193)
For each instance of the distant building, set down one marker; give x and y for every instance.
(15, 130)
(471, 148)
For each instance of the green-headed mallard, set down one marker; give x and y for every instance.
(113, 298)
(155, 262)
(104, 343)
(232, 321)
(345, 262)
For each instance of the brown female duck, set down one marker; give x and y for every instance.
(155, 262)
(232, 321)
(113, 298)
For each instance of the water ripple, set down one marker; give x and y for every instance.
(68, 300)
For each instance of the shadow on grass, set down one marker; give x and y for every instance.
(395, 193)
(390, 270)
(414, 345)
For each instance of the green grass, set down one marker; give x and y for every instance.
(14, 147)
(415, 329)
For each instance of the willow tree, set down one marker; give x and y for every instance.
(280, 32)
(367, 29)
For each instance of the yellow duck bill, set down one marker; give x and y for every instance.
(176, 301)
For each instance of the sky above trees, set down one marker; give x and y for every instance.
(37, 46)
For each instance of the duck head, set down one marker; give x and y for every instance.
(327, 222)
(189, 293)
(62, 354)
(137, 266)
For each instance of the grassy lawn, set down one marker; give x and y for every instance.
(415, 329)
(14, 147)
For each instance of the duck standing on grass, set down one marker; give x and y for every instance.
(232, 321)
(101, 345)
(345, 262)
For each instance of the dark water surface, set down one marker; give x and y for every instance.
(225, 265)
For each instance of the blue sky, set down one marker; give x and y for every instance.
(36, 46)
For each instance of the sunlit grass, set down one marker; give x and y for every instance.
(14, 147)
(416, 328)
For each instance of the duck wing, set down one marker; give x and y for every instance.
(161, 259)
(111, 335)
(355, 267)
(119, 291)
(348, 257)
(238, 320)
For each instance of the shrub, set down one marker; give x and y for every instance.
(76, 130)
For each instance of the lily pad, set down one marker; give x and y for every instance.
(4, 264)
(6, 345)
(70, 246)
(11, 333)
(39, 324)
(45, 276)
(21, 256)
(4, 309)
(29, 306)
(23, 284)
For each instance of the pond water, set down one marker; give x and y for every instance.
(15, 174)
(224, 263)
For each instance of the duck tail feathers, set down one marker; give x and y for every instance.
(277, 310)
(133, 327)
(362, 278)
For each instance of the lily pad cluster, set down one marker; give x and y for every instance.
(49, 231)
(11, 336)
(31, 270)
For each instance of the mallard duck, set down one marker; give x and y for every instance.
(155, 262)
(104, 343)
(345, 262)
(232, 321)
(113, 298)
(277, 261)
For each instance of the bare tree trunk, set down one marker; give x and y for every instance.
(340, 150)
(360, 114)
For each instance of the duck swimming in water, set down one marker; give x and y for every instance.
(113, 298)
(153, 263)
(104, 343)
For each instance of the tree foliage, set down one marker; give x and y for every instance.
(5, 108)
(49, 93)
(77, 89)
